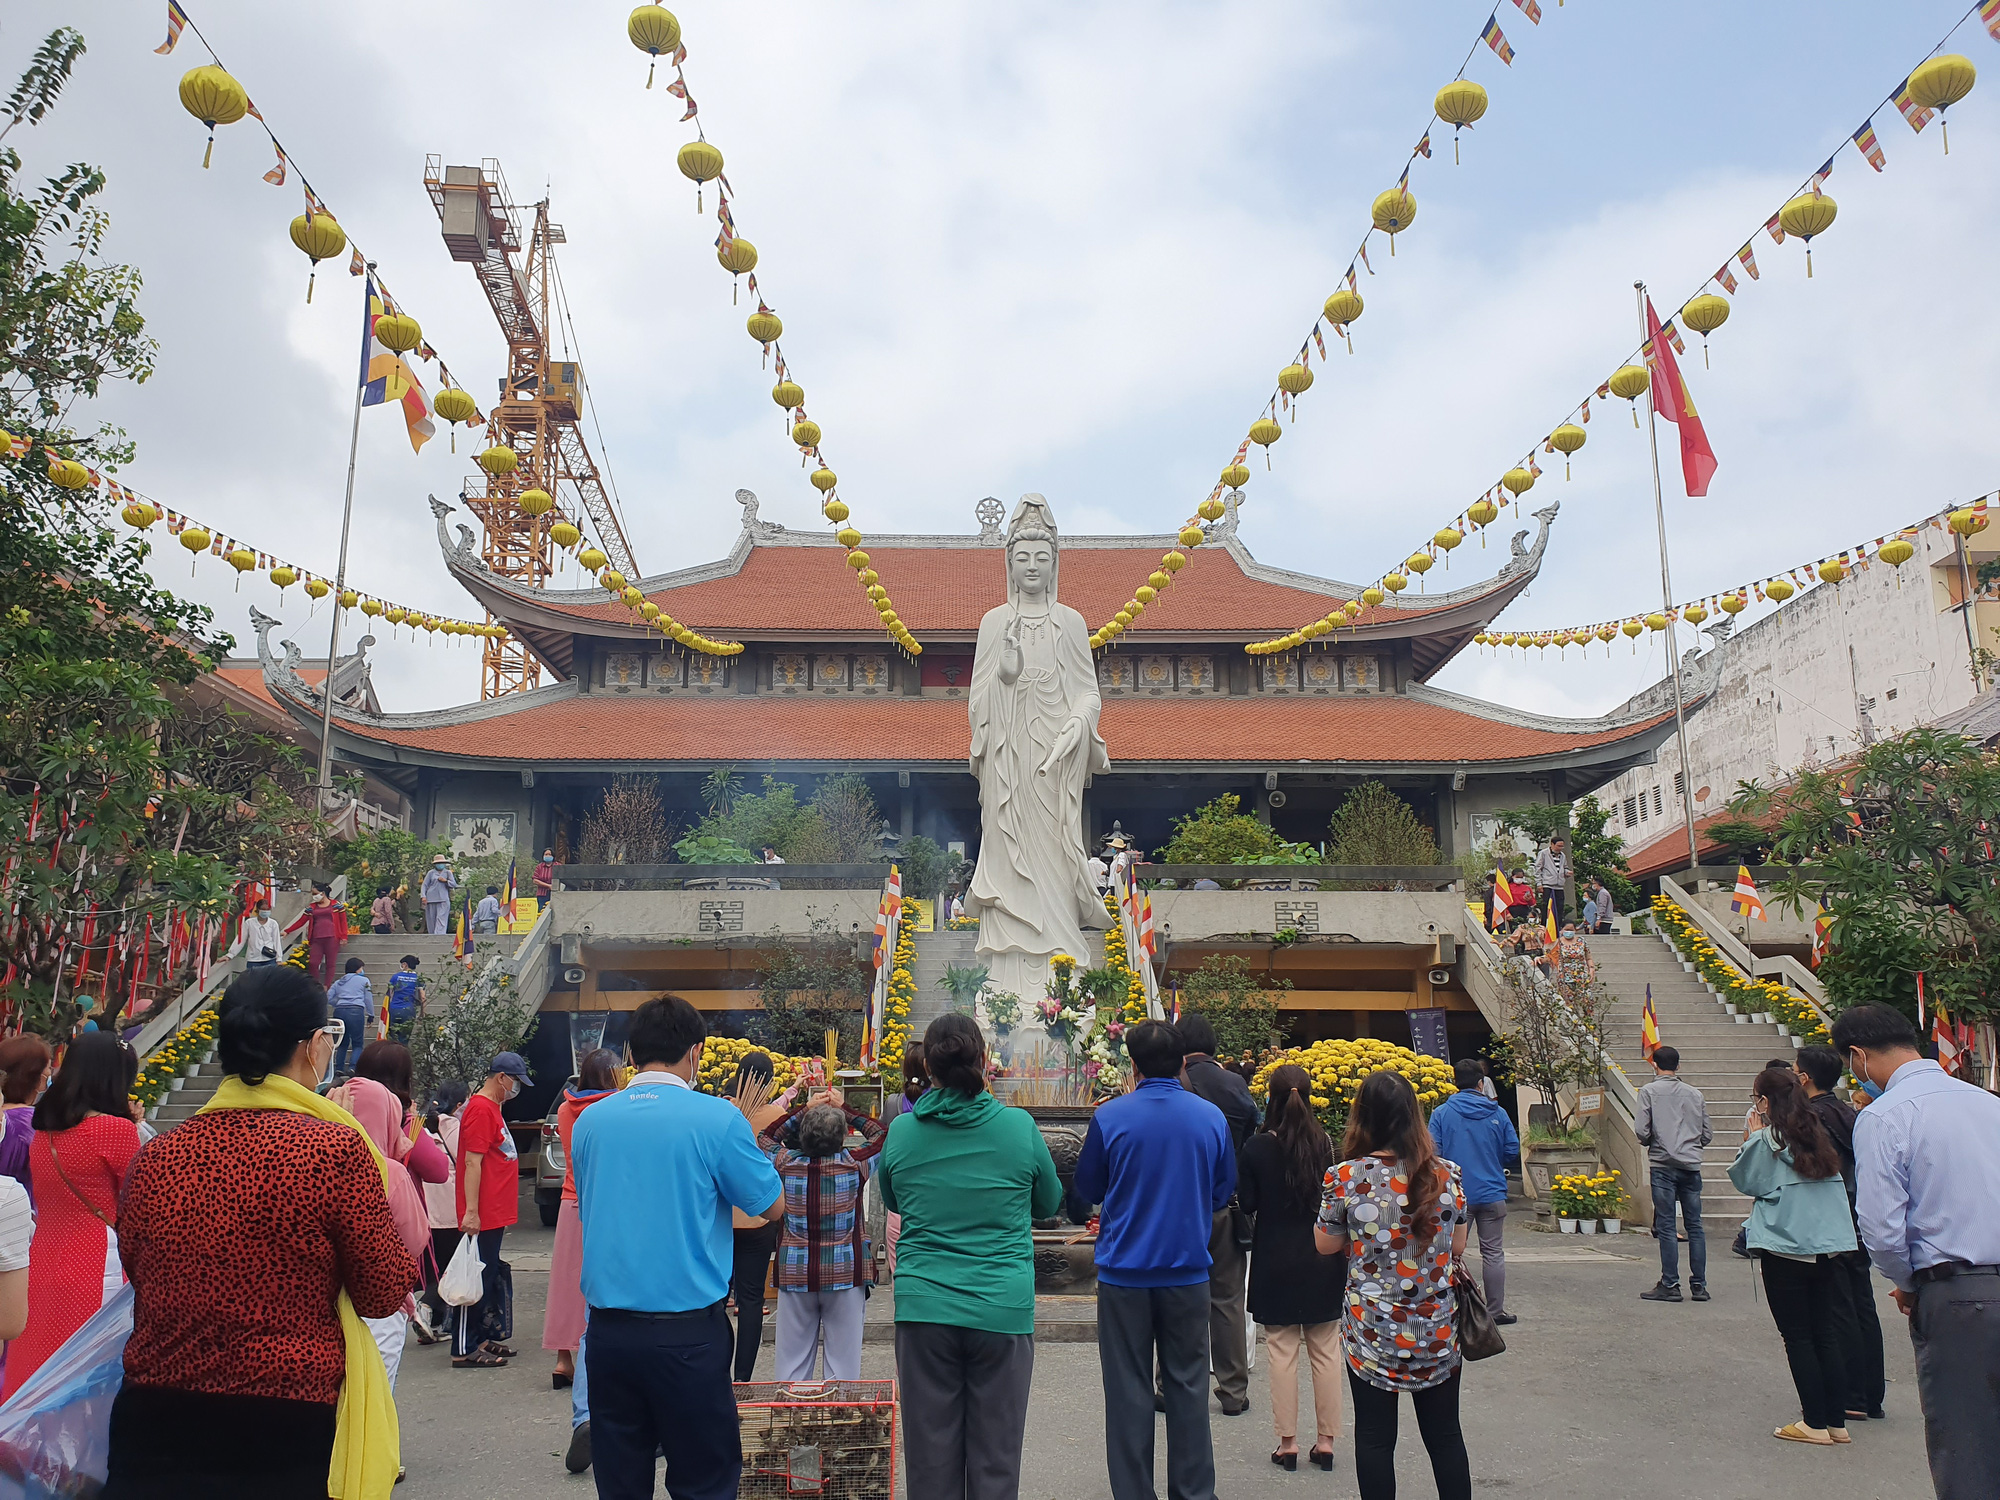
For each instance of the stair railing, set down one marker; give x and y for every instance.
(1794, 975)
(1618, 1087)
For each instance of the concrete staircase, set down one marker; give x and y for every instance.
(383, 953)
(1720, 1055)
(935, 951)
(189, 1097)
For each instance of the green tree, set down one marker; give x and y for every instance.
(1595, 853)
(385, 856)
(469, 1014)
(1240, 1005)
(811, 987)
(1219, 833)
(1373, 826)
(1900, 849)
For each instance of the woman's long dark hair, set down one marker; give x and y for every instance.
(1289, 1117)
(753, 1065)
(1794, 1126)
(96, 1073)
(598, 1072)
(388, 1063)
(1385, 1117)
(955, 1054)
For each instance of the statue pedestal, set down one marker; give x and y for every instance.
(1023, 974)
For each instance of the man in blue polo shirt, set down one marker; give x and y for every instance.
(658, 1168)
(1160, 1162)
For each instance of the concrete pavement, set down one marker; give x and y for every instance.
(1598, 1395)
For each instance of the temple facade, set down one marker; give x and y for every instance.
(818, 690)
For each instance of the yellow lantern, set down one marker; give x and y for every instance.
(1210, 509)
(1113, 628)
(788, 394)
(565, 535)
(847, 536)
(834, 510)
(1967, 522)
(397, 332)
(1395, 583)
(806, 433)
(1192, 536)
(1482, 512)
(195, 539)
(1341, 309)
(242, 559)
(650, 610)
(535, 502)
(1779, 589)
(1656, 621)
(1941, 83)
(1631, 628)
(455, 406)
(431, 623)
(1173, 562)
(1420, 563)
(1134, 608)
(1482, 639)
(1566, 439)
(653, 30)
(765, 326)
(1236, 476)
(1508, 638)
(858, 561)
(1807, 215)
(1832, 570)
(1459, 103)
(1096, 641)
(68, 474)
(1606, 632)
(373, 607)
(138, 515)
(1264, 432)
(1296, 380)
(700, 162)
(1352, 609)
(1518, 481)
(631, 597)
(348, 599)
(1372, 596)
(1447, 539)
(1694, 614)
(867, 577)
(1896, 552)
(321, 239)
(1158, 580)
(613, 581)
(1732, 604)
(824, 479)
(499, 461)
(1123, 617)
(214, 98)
(736, 256)
(591, 558)
(1705, 314)
(1630, 382)
(395, 614)
(317, 589)
(1393, 212)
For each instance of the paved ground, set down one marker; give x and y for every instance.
(1598, 1395)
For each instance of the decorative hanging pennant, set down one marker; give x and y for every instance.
(1424, 146)
(1495, 38)
(1989, 14)
(1725, 279)
(176, 21)
(1747, 257)
(1870, 148)
(1821, 176)
(276, 176)
(1364, 262)
(1914, 113)
(1776, 230)
(1531, 10)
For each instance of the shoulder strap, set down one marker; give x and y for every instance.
(56, 1157)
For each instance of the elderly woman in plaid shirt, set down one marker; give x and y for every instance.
(823, 1265)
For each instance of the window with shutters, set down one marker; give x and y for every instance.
(1680, 783)
(1656, 802)
(1631, 812)
(1643, 813)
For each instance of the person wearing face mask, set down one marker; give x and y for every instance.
(257, 1236)
(489, 1199)
(1927, 1195)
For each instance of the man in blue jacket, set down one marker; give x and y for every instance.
(1473, 1131)
(1160, 1162)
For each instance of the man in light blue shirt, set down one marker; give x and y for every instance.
(658, 1168)
(1927, 1194)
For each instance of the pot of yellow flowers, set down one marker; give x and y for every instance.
(1608, 1200)
(1567, 1201)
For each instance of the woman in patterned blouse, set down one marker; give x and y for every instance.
(1396, 1209)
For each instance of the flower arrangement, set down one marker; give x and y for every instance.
(1337, 1068)
(1003, 1009)
(1588, 1195)
(1758, 996)
(962, 924)
(171, 1058)
(1118, 960)
(1567, 1198)
(720, 1056)
(896, 1007)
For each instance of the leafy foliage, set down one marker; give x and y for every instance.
(386, 856)
(1744, 841)
(1900, 850)
(927, 869)
(1217, 833)
(1554, 1041)
(1594, 852)
(812, 987)
(469, 1015)
(1240, 1005)
(1373, 826)
(839, 824)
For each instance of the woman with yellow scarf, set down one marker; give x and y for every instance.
(257, 1236)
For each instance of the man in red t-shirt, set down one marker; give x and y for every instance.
(489, 1199)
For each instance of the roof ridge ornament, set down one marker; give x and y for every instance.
(756, 530)
(990, 513)
(463, 552)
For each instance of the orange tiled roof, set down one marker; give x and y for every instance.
(605, 728)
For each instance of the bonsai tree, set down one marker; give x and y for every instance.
(1373, 826)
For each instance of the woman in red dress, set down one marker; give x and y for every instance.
(85, 1139)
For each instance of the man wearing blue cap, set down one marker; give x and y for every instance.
(489, 1199)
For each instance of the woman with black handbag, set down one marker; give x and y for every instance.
(1295, 1292)
(1396, 1209)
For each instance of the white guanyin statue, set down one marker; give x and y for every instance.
(1035, 747)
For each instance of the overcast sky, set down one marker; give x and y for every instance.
(1065, 248)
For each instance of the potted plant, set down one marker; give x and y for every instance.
(964, 981)
(1610, 1200)
(1555, 1046)
(1566, 1201)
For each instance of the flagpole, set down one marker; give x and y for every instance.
(1666, 596)
(341, 577)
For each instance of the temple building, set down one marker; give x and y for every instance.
(1187, 714)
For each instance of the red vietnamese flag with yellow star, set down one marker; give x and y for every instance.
(1672, 401)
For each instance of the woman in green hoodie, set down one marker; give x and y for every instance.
(969, 1176)
(1799, 1228)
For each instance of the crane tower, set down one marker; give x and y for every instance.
(540, 407)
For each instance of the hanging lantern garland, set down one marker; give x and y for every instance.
(1805, 214)
(701, 162)
(1893, 548)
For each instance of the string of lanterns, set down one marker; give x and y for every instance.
(1942, 80)
(1461, 103)
(1894, 548)
(656, 31)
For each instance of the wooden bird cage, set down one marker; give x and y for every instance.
(818, 1440)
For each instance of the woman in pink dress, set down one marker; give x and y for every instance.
(85, 1139)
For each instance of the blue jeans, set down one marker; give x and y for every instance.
(355, 1019)
(1680, 1185)
(579, 1386)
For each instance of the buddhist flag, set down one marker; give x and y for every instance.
(176, 21)
(1549, 924)
(1748, 257)
(1503, 895)
(508, 900)
(387, 377)
(1673, 401)
(1911, 111)
(1495, 38)
(1865, 142)
(1944, 1037)
(462, 941)
(1745, 901)
(1990, 14)
(1649, 1028)
(1531, 10)
(1822, 925)
(1726, 279)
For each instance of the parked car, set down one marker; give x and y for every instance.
(550, 1165)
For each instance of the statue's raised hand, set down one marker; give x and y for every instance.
(1010, 651)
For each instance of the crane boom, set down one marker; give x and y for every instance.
(540, 407)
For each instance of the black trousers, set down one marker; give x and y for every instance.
(188, 1445)
(1437, 1422)
(1867, 1382)
(1815, 1317)
(468, 1328)
(754, 1248)
(1132, 1322)
(965, 1409)
(662, 1385)
(444, 1245)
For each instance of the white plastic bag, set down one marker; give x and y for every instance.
(464, 1280)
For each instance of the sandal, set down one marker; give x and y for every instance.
(478, 1359)
(1798, 1432)
(1289, 1462)
(494, 1346)
(1839, 1434)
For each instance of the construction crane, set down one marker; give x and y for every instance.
(540, 408)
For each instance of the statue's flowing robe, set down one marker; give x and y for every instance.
(1031, 890)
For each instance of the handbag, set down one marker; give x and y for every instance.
(464, 1280)
(1478, 1335)
(500, 1309)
